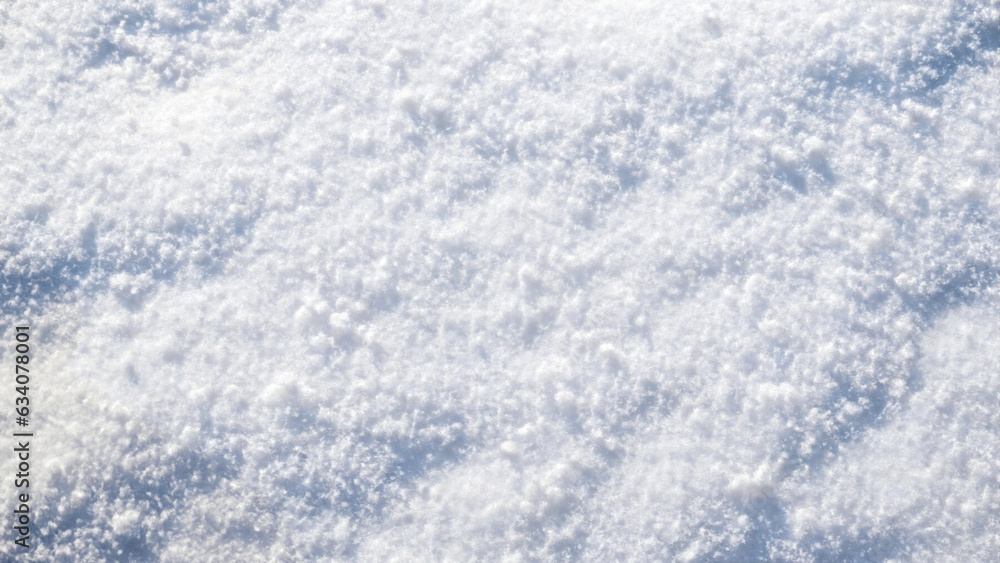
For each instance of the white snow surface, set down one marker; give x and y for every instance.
(448, 281)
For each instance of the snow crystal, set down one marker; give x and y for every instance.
(316, 280)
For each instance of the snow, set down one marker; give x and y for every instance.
(325, 280)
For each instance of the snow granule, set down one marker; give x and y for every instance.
(452, 281)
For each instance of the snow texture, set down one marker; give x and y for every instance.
(323, 280)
